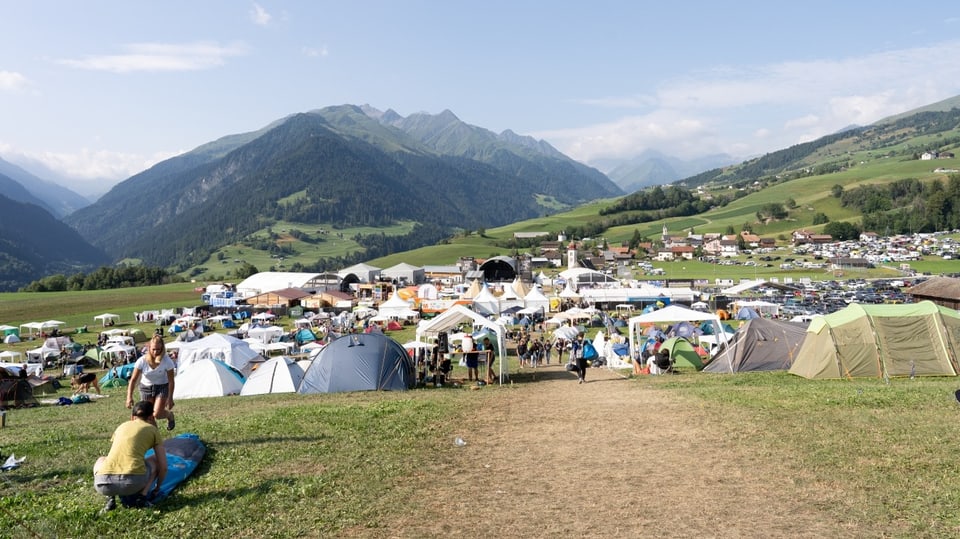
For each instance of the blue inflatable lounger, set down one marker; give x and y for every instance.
(184, 454)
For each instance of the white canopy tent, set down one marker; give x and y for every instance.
(668, 314)
(266, 334)
(105, 318)
(453, 317)
(41, 326)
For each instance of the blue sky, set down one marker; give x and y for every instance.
(104, 89)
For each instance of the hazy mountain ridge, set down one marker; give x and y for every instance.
(55, 198)
(655, 168)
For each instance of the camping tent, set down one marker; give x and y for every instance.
(15, 392)
(359, 362)
(919, 339)
(277, 375)
(448, 320)
(760, 345)
(682, 353)
(230, 350)
(207, 378)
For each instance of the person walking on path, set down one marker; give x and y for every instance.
(576, 353)
(155, 372)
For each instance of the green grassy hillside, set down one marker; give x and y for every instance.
(806, 174)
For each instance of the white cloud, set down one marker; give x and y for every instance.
(12, 81)
(313, 52)
(804, 121)
(88, 164)
(736, 109)
(259, 15)
(161, 57)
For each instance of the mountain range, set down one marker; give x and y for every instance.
(34, 244)
(349, 165)
(346, 165)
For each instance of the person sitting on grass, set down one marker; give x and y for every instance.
(125, 471)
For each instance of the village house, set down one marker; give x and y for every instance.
(804, 236)
(278, 299)
(750, 239)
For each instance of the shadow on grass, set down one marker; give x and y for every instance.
(177, 500)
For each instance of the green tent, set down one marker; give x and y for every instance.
(682, 353)
(860, 341)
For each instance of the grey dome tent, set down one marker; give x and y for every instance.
(359, 362)
(759, 345)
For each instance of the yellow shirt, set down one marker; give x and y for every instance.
(131, 441)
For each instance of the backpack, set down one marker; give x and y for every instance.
(589, 352)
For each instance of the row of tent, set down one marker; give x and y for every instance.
(859, 341)
(224, 365)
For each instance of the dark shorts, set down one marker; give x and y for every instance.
(148, 393)
(473, 360)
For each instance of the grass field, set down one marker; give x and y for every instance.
(327, 465)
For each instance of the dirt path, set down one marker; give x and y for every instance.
(608, 458)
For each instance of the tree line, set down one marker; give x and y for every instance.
(104, 278)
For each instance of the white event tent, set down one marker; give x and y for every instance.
(666, 315)
(454, 316)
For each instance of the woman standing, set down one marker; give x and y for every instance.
(155, 373)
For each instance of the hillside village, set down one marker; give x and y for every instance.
(566, 272)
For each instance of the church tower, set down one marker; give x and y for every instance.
(572, 255)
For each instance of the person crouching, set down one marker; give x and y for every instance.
(125, 471)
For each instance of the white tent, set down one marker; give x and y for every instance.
(397, 308)
(666, 315)
(33, 327)
(43, 352)
(509, 299)
(230, 350)
(454, 316)
(207, 378)
(568, 292)
(269, 349)
(277, 375)
(427, 291)
(11, 356)
(107, 317)
(266, 334)
(536, 300)
(486, 303)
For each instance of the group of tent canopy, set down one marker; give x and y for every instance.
(220, 365)
(879, 341)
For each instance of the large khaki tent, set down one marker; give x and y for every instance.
(760, 345)
(920, 339)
